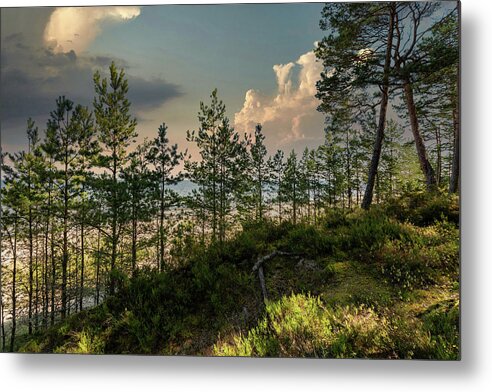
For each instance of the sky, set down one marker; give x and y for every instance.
(258, 56)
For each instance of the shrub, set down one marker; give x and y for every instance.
(334, 217)
(420, 262)
(301, 326)
(87, 342)
(243, 248)
(370, 232)
(404, 266)
(442, 322)
(307, 240)
(424, 208)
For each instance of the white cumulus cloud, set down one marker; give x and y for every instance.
(74, 28)
(289, 118)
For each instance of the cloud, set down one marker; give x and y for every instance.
(74, 28)
(290, 118)
(33, 76)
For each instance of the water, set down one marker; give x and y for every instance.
(184, 187)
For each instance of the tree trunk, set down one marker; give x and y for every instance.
(49, 239)
(161, 226)
(308, 202)
(430, 177)
(259, 267)
(294, 202)
(222, 205)
(134, 244)
(279, 200)
(69, 281)
(357, 179)
(134, 226)
(438, 155)
(82, 260)
(214, 198)
(53, 277)
(260, 192)
(31, 271)
(114, 218)
(65, 249)
(378, 144)
(349, 172)
(36, 291)
(14, 287)
(455, 169)
(46, 256)
(75, 276)
(98, 266)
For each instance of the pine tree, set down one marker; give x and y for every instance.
(259, 171)
(353, 66)
(437, 103)
(70, 137)
(166, 159)
(291, 189)
(313, 178)
(304, 183)
(21, 198)
(331, 157)
(29, 163)
(88, 147)
(138, 180)
(116, 131)
(276, 166)
(411, 62)
(223, 161)
(390, 156)
(23, 178)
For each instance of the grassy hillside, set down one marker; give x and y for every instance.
(376, 284)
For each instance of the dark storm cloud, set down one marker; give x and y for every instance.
(148, 94)
(33, 76)
(105, 61)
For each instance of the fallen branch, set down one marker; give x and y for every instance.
(259, 266)
(270, 256)
(262, 283)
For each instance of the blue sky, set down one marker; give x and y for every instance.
(258, 56)
(174, 57)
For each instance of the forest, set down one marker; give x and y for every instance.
(347, 250)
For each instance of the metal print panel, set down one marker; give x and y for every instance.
(265, 180)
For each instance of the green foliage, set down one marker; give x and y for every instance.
(404, 266)
(431, 256)
(244, 247)
(258, 176)
(291, 185)
(165, 158)
(423, 208)
(307, 240)
(301, 326)
(221, 172)
(442, 321)
(368, 232)
(354, 294)
(335, 217)
(355, 283)
(87, 343)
